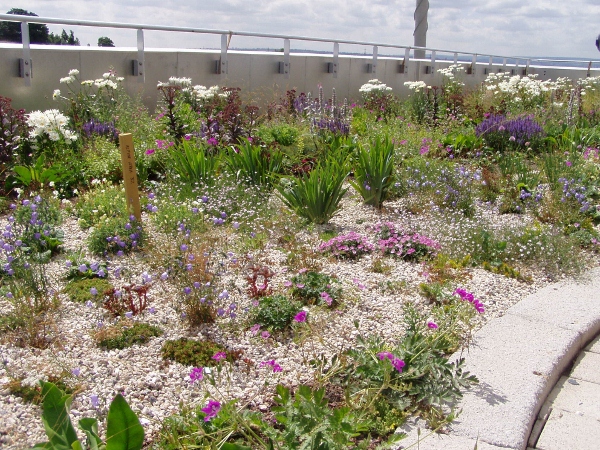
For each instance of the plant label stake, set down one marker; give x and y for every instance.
(130, 175)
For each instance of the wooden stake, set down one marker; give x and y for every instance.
(130, 175)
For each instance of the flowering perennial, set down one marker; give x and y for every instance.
(50, 123)
(410, 247)
(350, 246)
(471, 299)
(211, 410)
(397, 363)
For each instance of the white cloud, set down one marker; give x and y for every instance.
(505, 27)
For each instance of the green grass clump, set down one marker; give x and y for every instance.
(79, 290)
(190, 352)
(120, 337)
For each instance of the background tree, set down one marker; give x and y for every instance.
(105, 42)
(63, 39)
(11, 31)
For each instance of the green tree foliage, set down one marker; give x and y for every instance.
(105, 41)
(11, 31)
(38, 32)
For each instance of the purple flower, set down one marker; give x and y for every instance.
(432, 325)
(129, 314)
(187, 290)
(300, 317)
(276, 367)
(254, 329)
(211, 410)
(326, 298)
(219, 356)
(265, 334)
(75, 371)
(94, 400)
(196, 374)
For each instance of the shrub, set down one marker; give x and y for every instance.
(407, 246)
(100, 203)
(116, 235)
(313, 287)
(347, 246)
(79, 291)
(275, 312)
(123, 335)
(190, 352)
(36, 223)
(284, 134)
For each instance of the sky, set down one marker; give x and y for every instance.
(554, 28)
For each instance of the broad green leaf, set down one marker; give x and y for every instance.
(123, 429)
(55, 416)
(90, 428)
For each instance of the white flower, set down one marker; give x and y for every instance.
(66, 80)
(87, 82)
(56, 94)
(73, 73)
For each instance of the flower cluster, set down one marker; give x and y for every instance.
(97, 128)
(521, 130)
(407, 246)
(50, 123)
(271, 363)
(467, 296)
(416, 86)
(176, 82)
(397, 363)
(202, 93)
(350, 246)
(374, 87)
(520, 91)
(211, 410)
(575, 190)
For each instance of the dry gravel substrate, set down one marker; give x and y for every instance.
(155, 388)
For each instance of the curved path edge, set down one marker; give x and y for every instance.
(518, 358)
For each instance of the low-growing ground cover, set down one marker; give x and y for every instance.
(301, 272)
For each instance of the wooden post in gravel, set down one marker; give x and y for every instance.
(130, 175)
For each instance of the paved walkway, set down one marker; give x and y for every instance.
(519, 358)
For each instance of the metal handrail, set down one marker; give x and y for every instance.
(227, 34)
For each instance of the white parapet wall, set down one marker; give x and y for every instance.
(256, 73)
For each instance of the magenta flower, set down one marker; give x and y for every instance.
(196, 374)
(254, 329)
(300, 317)
(211, 410)
(219, 356)
(432, 325)
(265, 334)
(326, 298)
(397, 363)
(150, 151)
(276, 367)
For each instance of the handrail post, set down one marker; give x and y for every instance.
(141, 74)
(25, 65)
(374, 63)
(336, 54)
(473, 64)
(433, 62)
(286, 58)
(223, 62)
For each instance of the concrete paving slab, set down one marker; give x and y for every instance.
(444, 442)
(516, 373)
(571, 305)
(566, 430)
(594, 346)
(587, 367)
(576, 396)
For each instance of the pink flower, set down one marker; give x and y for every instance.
(211, 410)
(150, 151)
(196, 374)
(432, 325)
(276, 367)
(265, 334)
(327, 298)
(254, 329)
(568, 163)
(300, 317)
(219, 356)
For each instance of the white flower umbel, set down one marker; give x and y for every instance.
(50, 123)
(416, 86)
